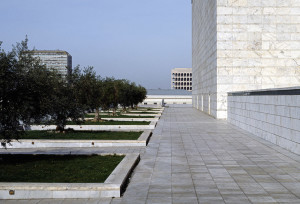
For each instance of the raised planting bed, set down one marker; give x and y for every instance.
(156, 118)
(143, 112)
(57, 168)
(150, 108)
(117, 116)
(111, 123)
(137, 114)
(64, 176)
(103, 126)
(81, 135)
(126, 116)
(84, 139)
(147, 110)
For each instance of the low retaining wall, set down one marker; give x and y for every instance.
(136, 114)
(272, 114)
(151, 126)
(157, 110)
(112, 187)
(146, 111)
(46, 143)
(132, 119)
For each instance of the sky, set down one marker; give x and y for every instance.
(139, 40)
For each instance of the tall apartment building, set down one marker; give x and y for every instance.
(181, 78)
(58, 60)
(243, 45)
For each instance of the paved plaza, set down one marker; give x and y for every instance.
(193, 158)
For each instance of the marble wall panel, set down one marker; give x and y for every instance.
(243, 45)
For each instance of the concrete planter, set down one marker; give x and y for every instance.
(46, 143)
(98, 127)
(133, 119)
(112, 187)
(132, 114)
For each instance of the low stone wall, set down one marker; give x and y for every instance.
(98, 127)
(272, 114)
(136, 114)
(156, 118)
(142, 141)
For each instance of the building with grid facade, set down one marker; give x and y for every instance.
(58, 60)
(181, 78)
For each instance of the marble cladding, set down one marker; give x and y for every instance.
(243, 45)
(273, 118)
(204, 36)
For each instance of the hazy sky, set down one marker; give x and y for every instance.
(140, 40)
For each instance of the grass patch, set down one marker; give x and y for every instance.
(57, 168)
(111, 123)
(81, 135)
(118, 116)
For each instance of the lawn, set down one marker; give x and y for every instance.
(57, 168)
(117, 116)
(111, 123)
(81, 135)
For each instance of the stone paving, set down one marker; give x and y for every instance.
(193, 158)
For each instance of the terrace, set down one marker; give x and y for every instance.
(193, 158)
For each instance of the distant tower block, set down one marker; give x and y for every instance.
(243, 45)
(58, 60)
(181, 78)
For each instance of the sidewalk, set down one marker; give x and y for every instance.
(193, 158)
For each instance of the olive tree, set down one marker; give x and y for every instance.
(25, 91)
(88, 88)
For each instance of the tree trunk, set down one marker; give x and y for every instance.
(97, 116)
(60, 128)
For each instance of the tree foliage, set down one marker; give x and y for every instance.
(25, 91)
(32, 94)
(88, 88)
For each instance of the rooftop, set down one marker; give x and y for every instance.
(182, 70)
(51, 51)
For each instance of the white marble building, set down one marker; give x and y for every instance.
(243, 45)
(181, 78)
